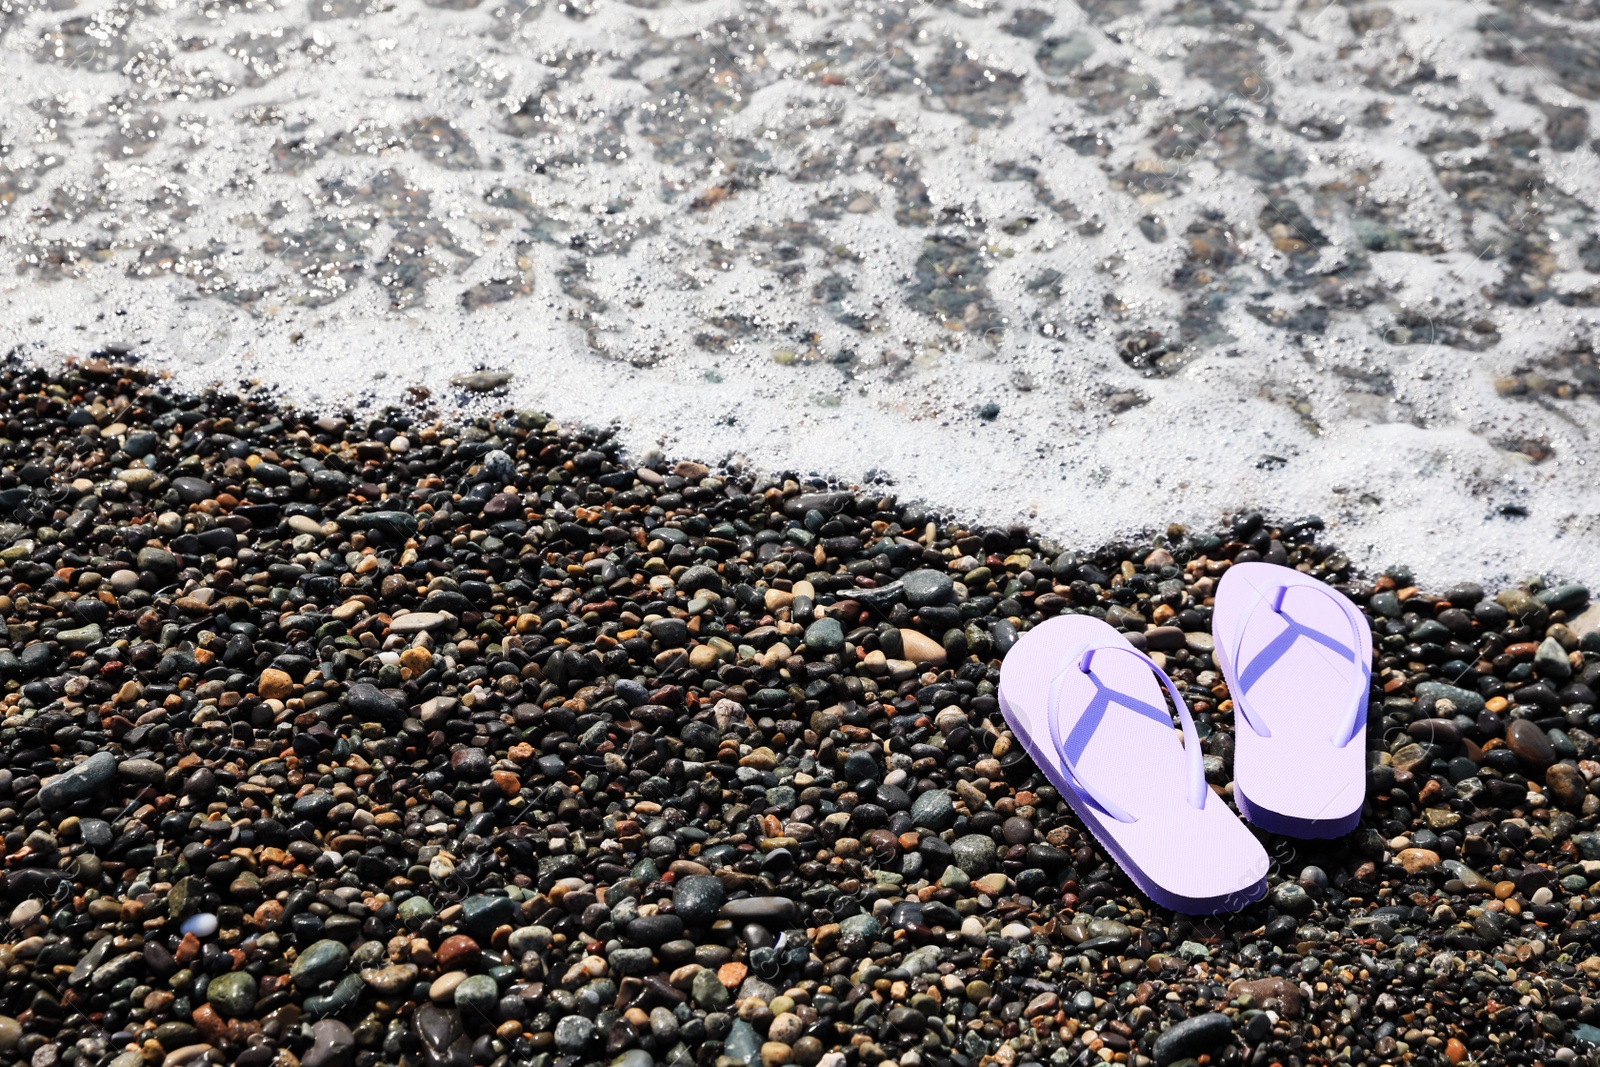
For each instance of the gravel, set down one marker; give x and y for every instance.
(365, 770)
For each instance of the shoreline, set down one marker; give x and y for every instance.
(393, 746)
(1062, 512)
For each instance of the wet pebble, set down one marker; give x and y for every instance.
(321, 961)
(332, 1045)
(233, 994)
(1530, 743)
(83, 780)
(974, 853)
(924, 588)
(697, 898)
(1191, 1037)
(477, 994)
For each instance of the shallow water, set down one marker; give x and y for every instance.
(1098, 267)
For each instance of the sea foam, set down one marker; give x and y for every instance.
(1095, 268)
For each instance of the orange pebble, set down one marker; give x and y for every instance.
(209, 1023)
(1454, 1050)
(188, 950)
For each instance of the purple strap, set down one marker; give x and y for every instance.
(1071, 747)
(1353, 721)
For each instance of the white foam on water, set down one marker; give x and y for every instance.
(835, 237)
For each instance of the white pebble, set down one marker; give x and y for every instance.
(25, 913)
(201, 925)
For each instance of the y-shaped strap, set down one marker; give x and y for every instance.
(1354, 719)
(1072, 746)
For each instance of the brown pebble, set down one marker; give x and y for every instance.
(882, 844)
(921, 649)
(1437, 731)
(1272, 994)
(458, 953)
(275, 684)
(1565, 785)
(186, 1054)
(1017, 831)
(188, 950)
(1042, 1004)
(1530, 743)
(684, 868)
(1417, 859)
(212, 1027)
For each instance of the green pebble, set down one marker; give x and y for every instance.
(233, 994)
(415, 910)
(324, 960)
(477, 994)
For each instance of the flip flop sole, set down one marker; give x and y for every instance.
(1296, 782)
(1193, 860)
(1290, 826)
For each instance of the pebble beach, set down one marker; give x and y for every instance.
(340, 737)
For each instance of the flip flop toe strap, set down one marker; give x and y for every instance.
(1353, 719)
(1072, 746)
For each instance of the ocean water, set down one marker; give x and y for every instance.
(1099, 268)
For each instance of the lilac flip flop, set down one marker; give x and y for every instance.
(1297, 657)
(1089, 709)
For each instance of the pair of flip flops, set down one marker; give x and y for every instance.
(1089, 708)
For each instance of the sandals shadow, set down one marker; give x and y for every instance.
(1089, 708)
